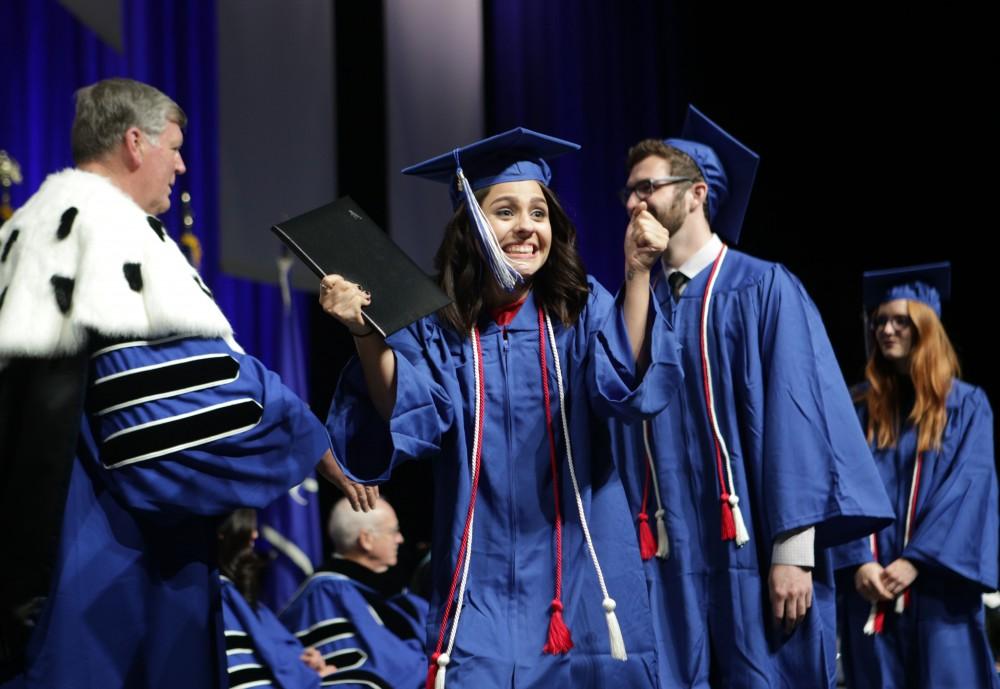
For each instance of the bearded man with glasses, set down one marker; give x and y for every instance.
(758, 464)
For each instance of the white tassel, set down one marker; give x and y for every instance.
(614, 631)
(443, 661)
(900, 604)
(869, 628)
(503, 271)
(662, 543)
(742, 537)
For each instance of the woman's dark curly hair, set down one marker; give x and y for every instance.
(560, 286)
(237, 559)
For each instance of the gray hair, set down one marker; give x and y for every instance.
(345, 525)
(106, 110)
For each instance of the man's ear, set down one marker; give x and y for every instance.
(134, 143)
(365, 541)
(697, 196)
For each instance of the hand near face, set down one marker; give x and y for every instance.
(344, 300)
(868, 582)
(898, 576)
(645, 240)
(790, 588)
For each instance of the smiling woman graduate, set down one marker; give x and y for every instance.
(507, 390)
(913, 615)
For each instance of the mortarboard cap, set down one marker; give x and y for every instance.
(340, 238)
(929, 283)
(728, 167)
(513, 156)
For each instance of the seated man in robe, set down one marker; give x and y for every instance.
(346, 610)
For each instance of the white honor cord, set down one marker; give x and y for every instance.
(742, 536)
(617, 644)
(476, 376)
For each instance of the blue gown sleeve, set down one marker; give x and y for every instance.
(335, 619)
(365, 445)
(957, 528)
(190, 426)
(259, 648)
(817, 468)
(616, 388)
(851, 554)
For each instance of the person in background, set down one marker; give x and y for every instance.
(347, 610)
(911, 602)
(259, 650)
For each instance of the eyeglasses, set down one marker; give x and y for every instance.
(391, 531)
(643, 189)
(899, 322)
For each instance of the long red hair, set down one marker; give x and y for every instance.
(933, 365)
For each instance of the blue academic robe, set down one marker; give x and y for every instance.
(175, 432)
(939, 641)
(798, 459)
(368, 636)
(260, 652)
(505, 619)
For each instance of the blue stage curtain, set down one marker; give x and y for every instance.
(46, 54)
(602, 74)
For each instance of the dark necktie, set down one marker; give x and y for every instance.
(677, 281)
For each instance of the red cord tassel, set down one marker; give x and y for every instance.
(647, 542)
(559, 640)
(879, 623)
(432, 671)
(728, 525)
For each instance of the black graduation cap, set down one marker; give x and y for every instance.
(341, 239)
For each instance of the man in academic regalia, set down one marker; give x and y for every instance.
(757, 464)
(348, 611)
(130, 419)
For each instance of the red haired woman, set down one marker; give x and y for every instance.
(914, 615)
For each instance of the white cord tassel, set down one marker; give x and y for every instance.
(614, 631)
(742, 537)
(869, 628)
(442, 661)
(503, 271)
(901, 604)
(662, 542)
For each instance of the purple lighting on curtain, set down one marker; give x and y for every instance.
(290, 526)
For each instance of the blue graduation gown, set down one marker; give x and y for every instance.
(366, 635)
(798, 459)
(505, 619)
(260, 652)
(939, 641)
(175, 433)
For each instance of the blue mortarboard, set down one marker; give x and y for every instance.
(728, 167)
(929, 283)
(513, 156)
